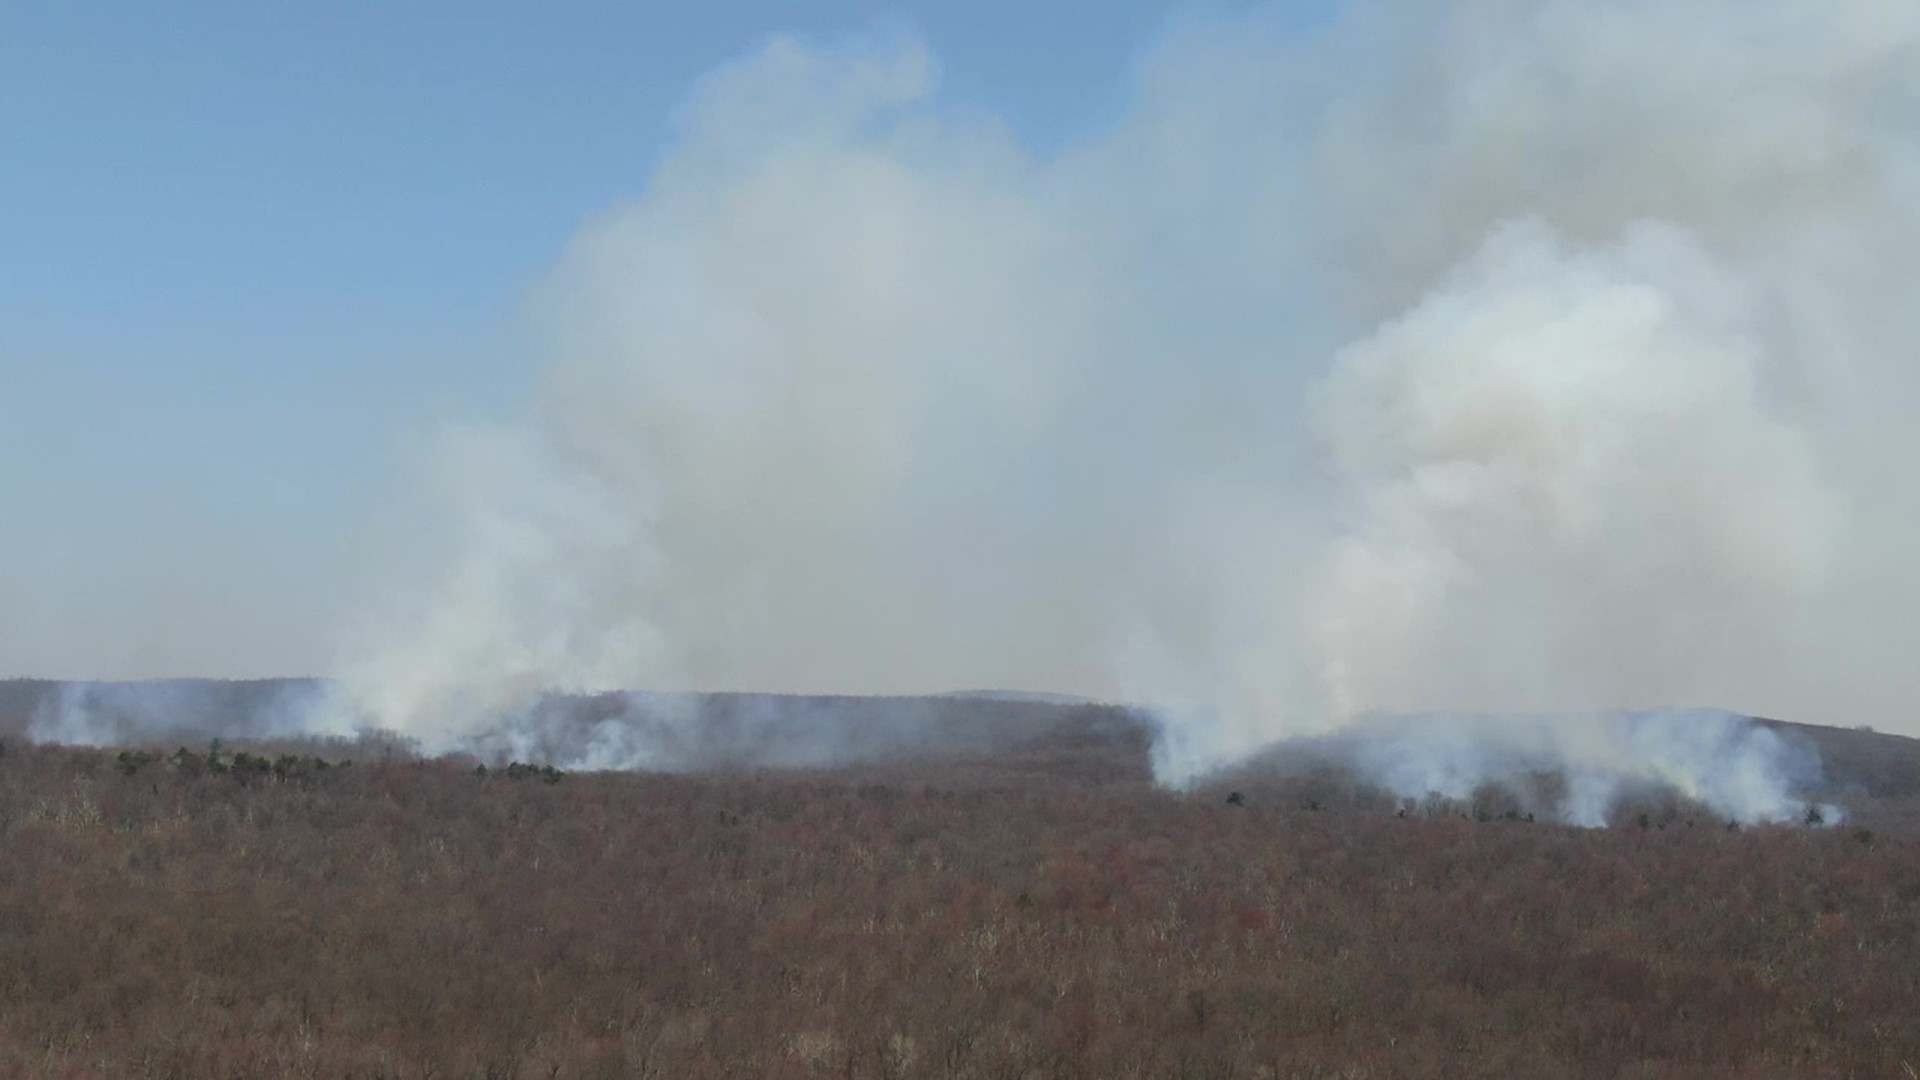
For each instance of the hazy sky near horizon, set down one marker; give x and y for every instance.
(248, 253)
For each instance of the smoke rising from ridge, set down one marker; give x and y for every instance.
(1517, 356)
(1577, 770)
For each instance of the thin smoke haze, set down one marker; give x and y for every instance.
(1516, 357)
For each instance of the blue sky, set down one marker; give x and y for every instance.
(246, 249)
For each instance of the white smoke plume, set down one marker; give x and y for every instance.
(1519, 356)
(1578, 769)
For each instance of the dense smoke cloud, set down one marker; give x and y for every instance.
(1514, 356)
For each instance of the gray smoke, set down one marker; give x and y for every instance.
(1526, 357)
(161, 711)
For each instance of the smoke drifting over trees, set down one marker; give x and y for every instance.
(1526, 360)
